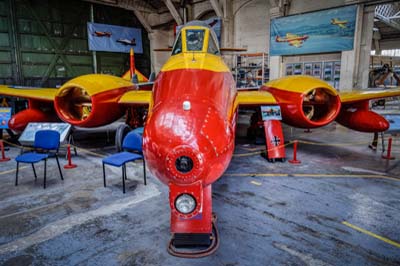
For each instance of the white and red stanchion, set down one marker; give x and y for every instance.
(70, 165)
(388, 156)
(294, 161)
(3, 156)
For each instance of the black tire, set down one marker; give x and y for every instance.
(272, 160)
(283, 160)
(122, 131)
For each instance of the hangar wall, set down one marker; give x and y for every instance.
(247, 24)
(44, 43)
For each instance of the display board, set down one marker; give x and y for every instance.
(328, 71)
(28, 136)
(271, 112)
(317, 32)
(5, 116)
(110, 38)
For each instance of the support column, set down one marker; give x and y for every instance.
(355, 63)
(365, 47)
(159, 39)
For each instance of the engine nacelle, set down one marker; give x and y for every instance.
(91, 100)
(20, 120)
(360, 118)
(305, 102)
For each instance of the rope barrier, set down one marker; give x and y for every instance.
(259, 150)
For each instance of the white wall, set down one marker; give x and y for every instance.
(302, 6)
(251, 25)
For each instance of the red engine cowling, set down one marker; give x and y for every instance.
(19, 121)
(359, 117)
(315, 106)
(91, 100)
(38, 111)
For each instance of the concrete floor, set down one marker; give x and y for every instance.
(268, 214)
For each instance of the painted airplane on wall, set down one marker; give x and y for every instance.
(341, 23)
(188, 139)
(102, 34)
(293, 39)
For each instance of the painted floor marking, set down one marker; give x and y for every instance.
(12, 170)
(384, 239)
(61, 226)
(308, 259)
(256, 183)
(314, 175)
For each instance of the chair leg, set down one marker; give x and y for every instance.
(123, 178)
(16, 175)
(34, 171)
(144, 172)
(45, 170)
(104, 175)
(59, 168)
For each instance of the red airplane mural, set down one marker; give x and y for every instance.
(102, 34)
(293, 39)
(188, 139)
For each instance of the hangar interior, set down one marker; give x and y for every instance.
(318, 189)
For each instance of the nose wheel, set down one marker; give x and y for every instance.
(195, 245)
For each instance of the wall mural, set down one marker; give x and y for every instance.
(110, 38)
(323, 31)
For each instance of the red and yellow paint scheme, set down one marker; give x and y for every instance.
(188, 139)
(293, 39)
(86, 101)
(341, 23)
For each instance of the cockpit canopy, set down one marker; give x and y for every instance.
(197, 39)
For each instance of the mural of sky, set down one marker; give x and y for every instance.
(317, 32)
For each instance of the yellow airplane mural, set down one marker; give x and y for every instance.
(293, 39)
(341, 23)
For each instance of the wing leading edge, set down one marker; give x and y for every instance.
(137, 97)
(358, 96)
(43, 94)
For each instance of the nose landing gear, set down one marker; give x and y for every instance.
(194, 245)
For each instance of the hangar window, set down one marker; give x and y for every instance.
(178, 46)
(194, 40)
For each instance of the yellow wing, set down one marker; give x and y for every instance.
(356, 96)
(296, 43)
(291, 35)
(254, 98)
(342, 25)
(136, 97)
(44, 94)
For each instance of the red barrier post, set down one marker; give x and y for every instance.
(294, 161)
(3, 156)
(388, 156)
(70, 165)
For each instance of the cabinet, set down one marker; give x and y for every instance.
(251, 70)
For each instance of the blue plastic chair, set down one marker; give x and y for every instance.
(45, 142)
(133, 145)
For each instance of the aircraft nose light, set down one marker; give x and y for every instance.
(184, 164)
(185, 203)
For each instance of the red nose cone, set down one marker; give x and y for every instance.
(179, 145)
